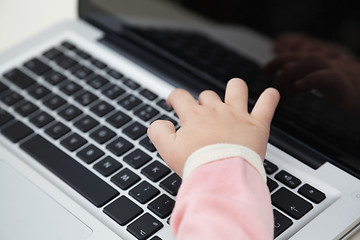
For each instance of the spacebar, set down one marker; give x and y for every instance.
(70, 171)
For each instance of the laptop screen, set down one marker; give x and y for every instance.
(324, 118)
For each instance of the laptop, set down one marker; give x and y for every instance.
(75, 102)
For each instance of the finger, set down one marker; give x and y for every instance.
(279, 62)
(162, 134)
(236, 94)
(209, 97)
(265, 106)
(180, 100)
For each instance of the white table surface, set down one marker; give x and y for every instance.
(21, 19)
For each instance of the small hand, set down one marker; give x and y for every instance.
(212, 121)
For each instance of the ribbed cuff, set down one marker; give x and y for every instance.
(216, 152)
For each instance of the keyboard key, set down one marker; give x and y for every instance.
(171, 184)
(37, 66)
(288, 179)
(146, 112)
(113, 91)
(54, 101)
(102, 134)
(312, 193)
(119, 146)
(146, 142)
(97, 81)
(73, 142)
(85, 98)
(162, 206)
(11, 98)
(86, 123)
(52, 53)
(131, 84)
(3, 87)
(290, 203)
(135, 130)
(88, 185)
(123, 210)
(148, 94)
(115, 74)
(129, 102)
(19, 78)
(26, 108)
(41, 119)
(107, 166)
(155, 238)
(90, 153)
(118, 119)
(82, 72)
(70, 112)
(102, 108)
(69, 88)
(82, 54)
(137, 158)
(57, 130)
(144, 226)
(68, 45)
(162, 103)
(5, 117)
(167, 118)
(271, 184)
(54, 78)
(16, 131)
(144, 192)
(281, 223)
(65, 61)
(39, 91)
(270, 168)
(125, 179)
(97, 63)
(155, 171)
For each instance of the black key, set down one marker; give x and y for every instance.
(137, 158)
(68, 45)
(131, 84)
(65, 62)
(125, 179)
(118, 119)
(162, 103)
(129, 102)
(97, 81)
(146, 142)
(73, 142)
(119, 146)
(144, 226)
(271, 184)
(86, 98)
(115, 74)
(90, 153)
(70, 112)
(281, 223)
(26, 108)
(113, 91)
(312, 193)
(57, 130)
(148, 94)
(69, 88)
(11, 98)
(123, 210)
(5, 117)
(97, 63)
(39, 91)
(288, 179)
(171, 184)
(54, 78)
(16, 131)
(3, 87)
(155, 171)
(290, 203)
(107, 166)
(102, 108)
(82, 54)
(52, 53)
(88, 185)
(102, 134)
(41, 119)
(135, 130)
(82, 72)
(19, 78)
(146, 112)
(155, 238)
(162, 206)
(165, 117)
(37, 66)
(270, 168)
(54, 101)
(144, 192)
(86, 123)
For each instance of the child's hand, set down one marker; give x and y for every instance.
(212, 121)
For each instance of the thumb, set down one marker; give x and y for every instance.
(162, 135)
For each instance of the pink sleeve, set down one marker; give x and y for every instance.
(225, 199)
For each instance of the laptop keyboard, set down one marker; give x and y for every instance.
(87, 122)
